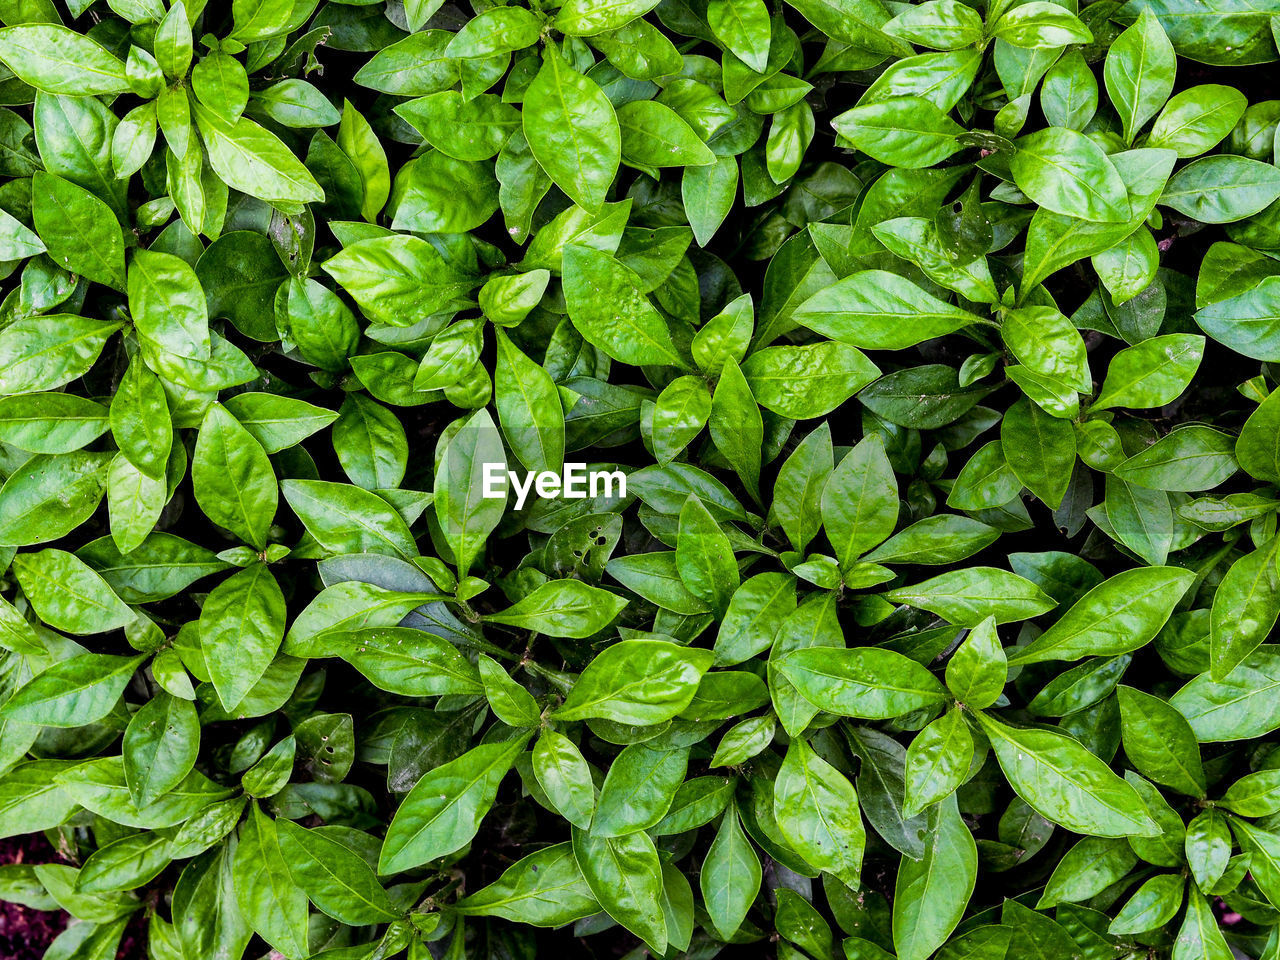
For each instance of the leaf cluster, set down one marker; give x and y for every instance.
(935, 343)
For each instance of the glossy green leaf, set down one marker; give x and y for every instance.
(1066, 784)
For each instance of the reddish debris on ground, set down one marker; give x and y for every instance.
(25, 934)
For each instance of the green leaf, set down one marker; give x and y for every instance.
(347, 519)
(494, 31)
(444, 809)
(856, 22)
(743, 27)
(1088, 868)
(124, 864)
(625, 877)
(571, 126)
(1253, 795)
(424, 207)
(1080, 687)
(817, 814)
(1258, 447)
(1065, 783)
(1047, 342)
(259, 19)
(465, 514)
(402, 660)
(506, 300)
(1156, 903)
(51, 423)
(172, 44)
(49, 496)
(931, 893)
(134, 503)
(528, 408)
(351, 605)
(241, 273)
(977, 671)
(418, 65)
(55, 59)
(221, 84)
(168, 304)
(562, 608)
(860, 501)
(1208, 847)
(708, 193)
(656, 577)
(1121, 614)
(638, 790)
(31, 800)
(79, 230)
(1040, 24)
(1055, 240)
(737, 428)
(923, 397)
(296, 103)
(67, 594)
(637, 681)
(797, 494)
(1151, 373)
(1239, 706)
(1190, 458)
(679, 414)
(1248, 323)
(744, 741)
(1197, 119)
(99, 785)
(1245, 607)
(944, 538)
(918, 239)
(704, 556)
(269, 899)
(810, 381)
(72, 692)
(877, 310)
(730, 877)
(654, 135)
(862, 681)
(937, 762)
(1160, 742)
(1067, 173)
(1200, 935)
(358, 142)
(756, 613)
(234, 482)
(966, 597)
(17, 242)
(241, 626)
(812, 624)
(941, 24)
(907, 131)
(334, 877)
(545, 889)
(252, 160)
(161, 744)
(140, 421)
(608, 307)
(565, 777)
(1222, 189)
(1139, 72)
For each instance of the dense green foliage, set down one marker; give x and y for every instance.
(935, 342)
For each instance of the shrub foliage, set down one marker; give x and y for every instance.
(934, 344)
